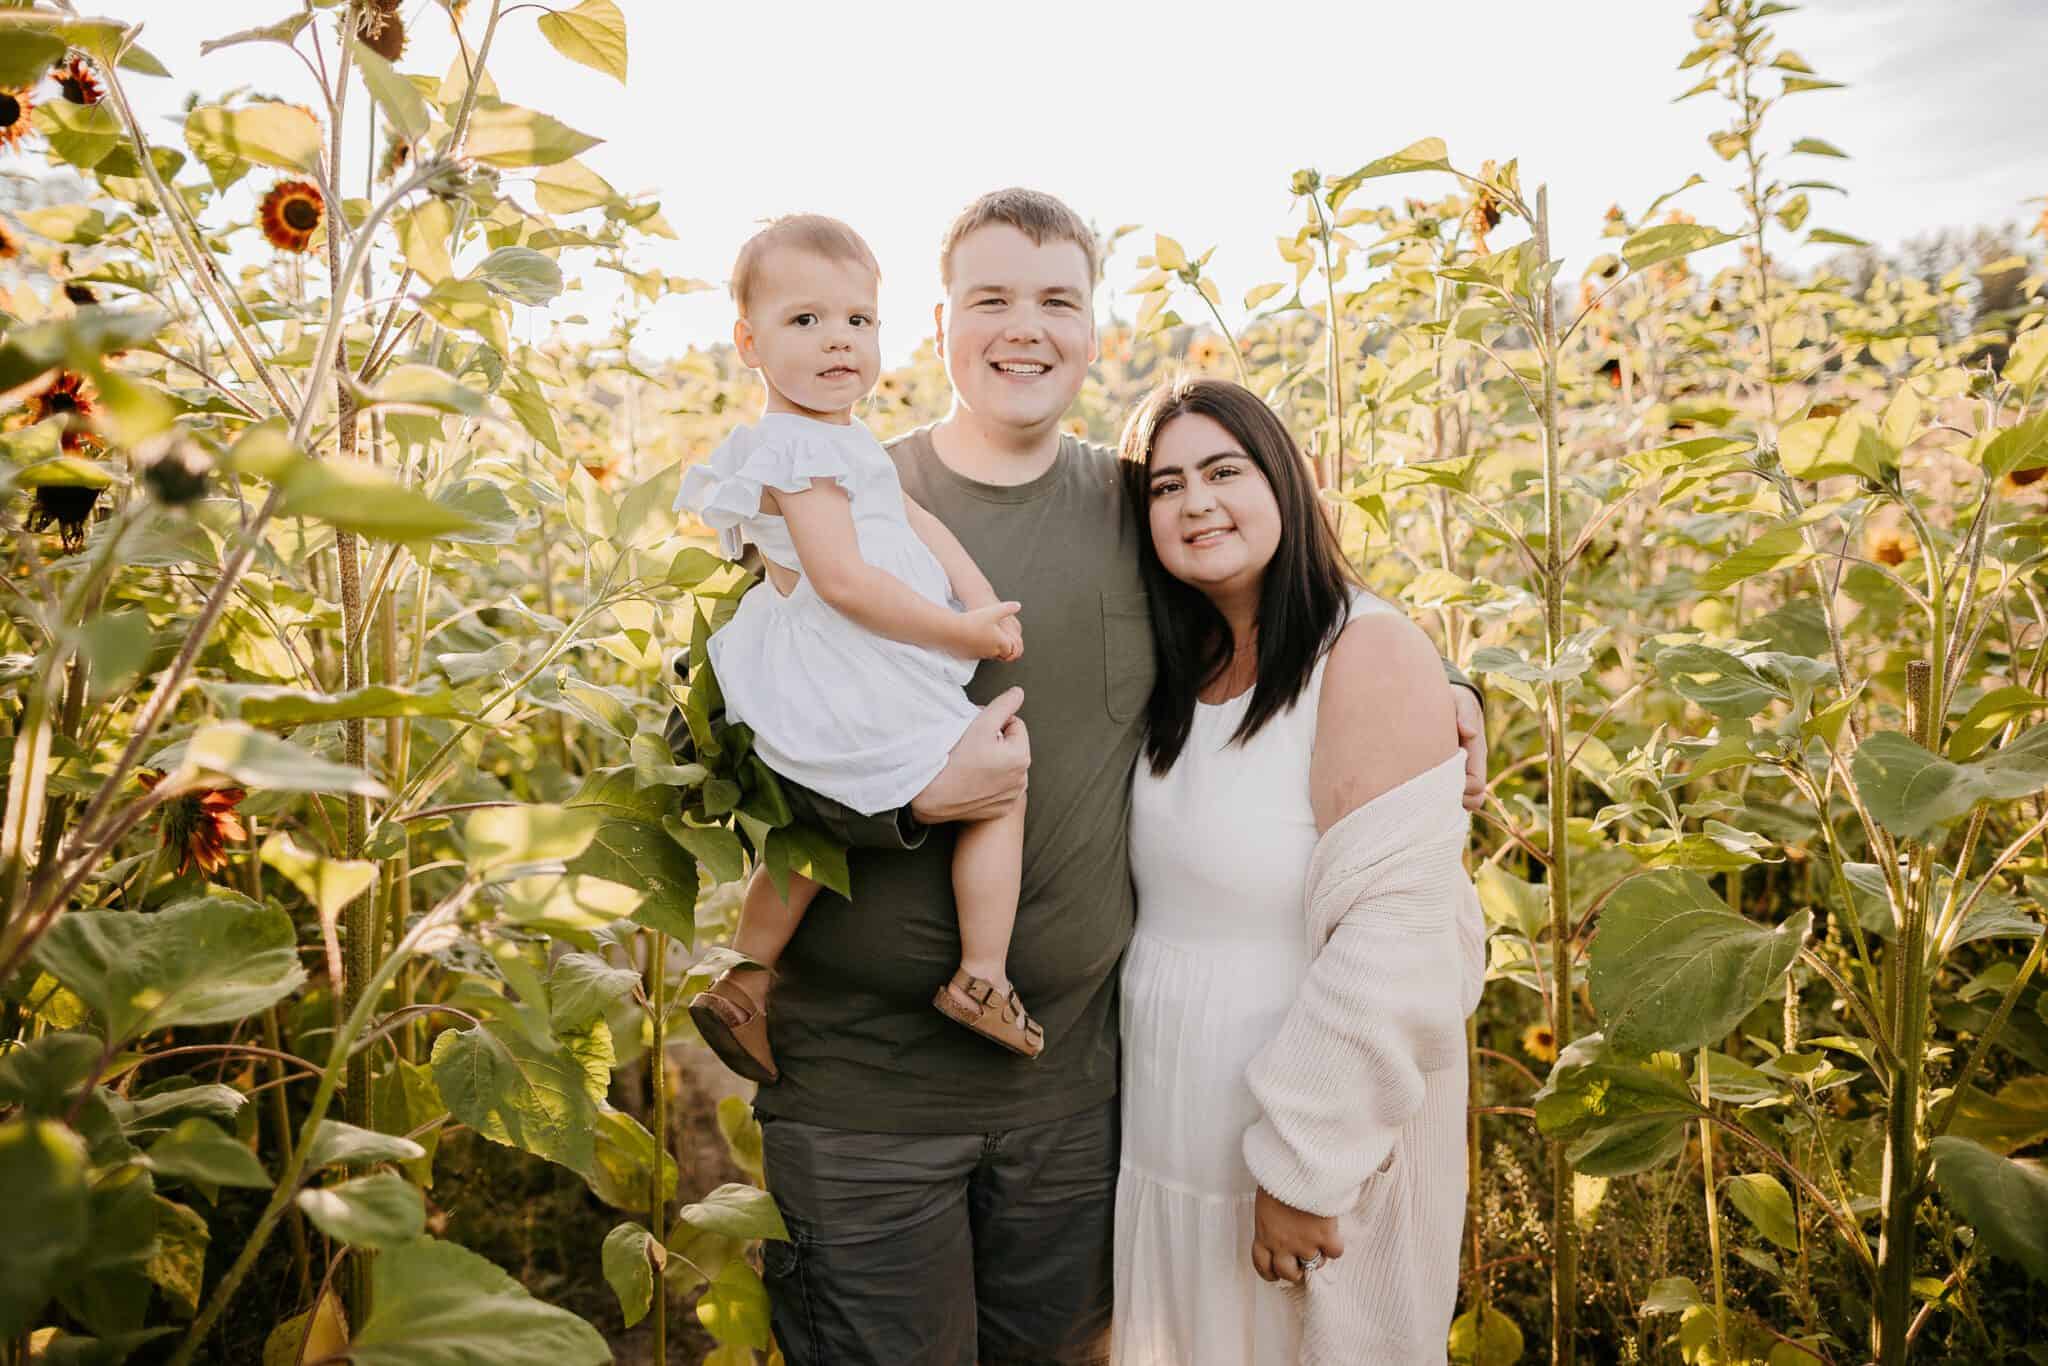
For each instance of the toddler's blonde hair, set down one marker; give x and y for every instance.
(812, 232)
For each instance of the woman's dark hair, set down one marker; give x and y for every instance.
(1303, 600)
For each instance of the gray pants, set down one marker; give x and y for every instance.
(943, 1249)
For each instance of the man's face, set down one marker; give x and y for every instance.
(810, 330)
(1017, 330)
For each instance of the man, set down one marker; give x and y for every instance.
(949, 1203)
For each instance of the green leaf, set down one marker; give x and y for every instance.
(178, 1266)
(737, 1211)
(329, 884)
(1672, 968)
(509, 837)
(381, 1210)
(2015, 1118)
(517, 1092)
(437, 1304)
(742, 1133)
(520, 273)
(27, 54)
(263, 704)
(622, 1169)
(632, 848)
(720, 850)
(44, 1075)
(1989, 715)
(1778, 548)
(84, 135)
(1620, 1117)
(1668, 241)
(1818, 148)
(200, 1151)
(1717, 681)
(426, 386)
(1672, 1295)
(503, 134)
(43, 1170)
(1764, 1201)
(522, 394)
(1426, 154)
(571, 187)
(268, 133)
(1499, 1343)
(315, 1335)
(209, 960)
(582, 987)
(630, 1257)
(1830, 237)
(1820, 447)
(1912, 793)
(2026, 365)
(423, 235)
(338, 1144)
(593, 33)
(734, 1307)
(2005, 1198)
(2011, 448)
(116, 645)
(405, 109)
(358, 497)
(256, 760)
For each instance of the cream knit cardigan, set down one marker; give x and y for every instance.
(1363, 1089)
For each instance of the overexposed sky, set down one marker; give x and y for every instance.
(1189, 119)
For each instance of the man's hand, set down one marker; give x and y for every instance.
(985, 774)
(1472, 739)
(1284, 1237)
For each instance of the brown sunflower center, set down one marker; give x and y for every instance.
(73, 91)
(61, 402)
(301, 215)
(10, 110)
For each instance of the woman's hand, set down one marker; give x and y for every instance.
(1284, 1237)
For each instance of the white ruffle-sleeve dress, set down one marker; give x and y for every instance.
(851, 715)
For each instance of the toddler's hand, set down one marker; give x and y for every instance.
(1015, 632)
(986, 632)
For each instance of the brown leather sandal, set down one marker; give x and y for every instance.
(1000, 1019)
(735, 1025)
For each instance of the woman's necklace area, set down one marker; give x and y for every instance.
(1237, 676)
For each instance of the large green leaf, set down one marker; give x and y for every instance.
(1779, 548)
(1766, 1203)
(507, 838)
(437, 1304)
(328, 883)
(178, 1266)
(1499, 1343)
(380, 1210)
(622, 1165)
(734, 1307)
(1619, 1117)
(2016, 1117)
(363, 499)
(2005, 1198)
(515, 1091)
(629, 1263)
(506, 135)
(1820, 447)
(203, 1152)
(27, 54)
(632, 848)
(521, 274)
(269, 133)
(582, 987)
(42, 1169)
(1912, 792)
(405, 109)
(338, 1144)
(44, 1075)
(210, 960)
(1719, 682)
(1668, 241)
(1672, 968)
(593, 33)
(256, 760)
(737, 1211)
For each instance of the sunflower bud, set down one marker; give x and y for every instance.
(177, 473)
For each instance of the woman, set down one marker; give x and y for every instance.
(1293, 1097)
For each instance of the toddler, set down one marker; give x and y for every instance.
(849, 662)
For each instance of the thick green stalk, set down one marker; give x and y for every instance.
(657, 1202)
(1899, 1196)
(1713, 1212)
(1564, 1270)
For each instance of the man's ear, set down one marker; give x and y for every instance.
(743, 342)
(939, 327)
(1094, 336)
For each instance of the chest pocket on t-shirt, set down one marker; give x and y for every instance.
(1127, 662)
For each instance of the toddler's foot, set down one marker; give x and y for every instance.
(993, 1012)
(734, 1022)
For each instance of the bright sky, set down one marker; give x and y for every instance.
(894, 115)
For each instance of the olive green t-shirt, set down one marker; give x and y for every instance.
(855, 1034)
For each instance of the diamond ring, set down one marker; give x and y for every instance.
(1312, 1263)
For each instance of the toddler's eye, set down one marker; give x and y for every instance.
(804, 319)
(862, 320)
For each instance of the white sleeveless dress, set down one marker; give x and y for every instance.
(1220, 853)
(860, 718)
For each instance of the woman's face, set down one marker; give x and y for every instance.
(1215, 522)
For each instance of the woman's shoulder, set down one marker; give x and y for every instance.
(1385, 712)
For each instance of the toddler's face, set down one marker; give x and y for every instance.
(811, 331)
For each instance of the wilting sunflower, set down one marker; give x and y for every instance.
(397, 153)
(1539, 1043)
(15, 108)
(66, 396)
(198, 825)
(291, 213)
(1482, 218)
(382, 31)
(80, 294)
(2020, 481)
(76, 80)
(68, 507)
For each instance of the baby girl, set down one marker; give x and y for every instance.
(849, 663)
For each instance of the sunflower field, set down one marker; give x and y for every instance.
(350, 883)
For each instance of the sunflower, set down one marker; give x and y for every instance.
(2016, 481)
(291, 213)
(382, 31)
(396, 155)
(1888, 545)
(10, 245)
(1206, 353)
(68, 507)
(67, 397)
(1482, 218)
(15, 108)
(1539, 1043)
(80, 294)
(76, 81)
(1610, 370)
(198, 825)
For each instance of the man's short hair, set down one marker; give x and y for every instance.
(812, 232)
(1039, 216)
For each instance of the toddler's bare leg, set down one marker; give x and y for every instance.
(731, 1013)
(988, 871)
(767, 921)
